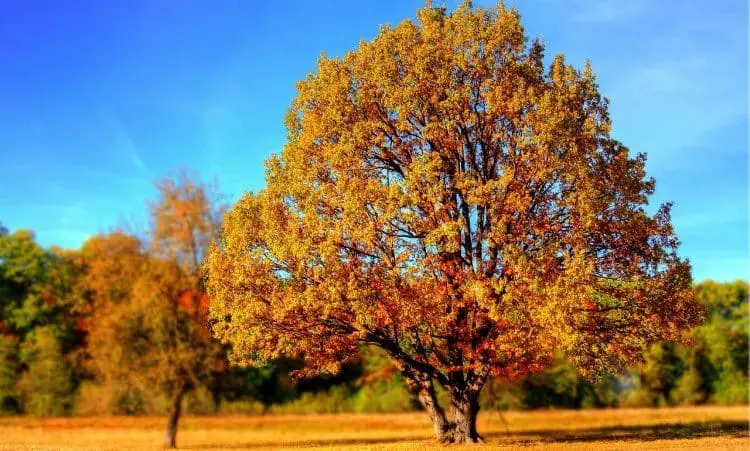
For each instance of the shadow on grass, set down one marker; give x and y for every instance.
(684, 431)
(667, 431)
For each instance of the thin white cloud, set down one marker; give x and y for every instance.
(675, 104)
(123, 142)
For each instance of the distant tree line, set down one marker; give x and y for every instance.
(119, 326)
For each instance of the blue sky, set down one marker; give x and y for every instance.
(97, 99)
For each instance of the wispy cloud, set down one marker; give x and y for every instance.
(675, 104)
(123, 142)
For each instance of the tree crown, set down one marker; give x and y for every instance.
(446, 197)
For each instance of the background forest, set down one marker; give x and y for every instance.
(119, 326)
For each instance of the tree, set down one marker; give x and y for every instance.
(715, 366)
(9, 374)
(24, 266)
(659, 375)
(444, 197)
(150, 321)
(112, 264)
(724, 339)
(186, 218)
(47, 387)
(38, 327)
(154, 343)
(117, 356)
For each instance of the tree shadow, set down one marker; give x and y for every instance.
(336, 443)
(669, 431)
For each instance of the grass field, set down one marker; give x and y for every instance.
(724, 428)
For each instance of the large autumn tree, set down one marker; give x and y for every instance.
(446, 197)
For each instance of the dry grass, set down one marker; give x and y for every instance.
(724, 428)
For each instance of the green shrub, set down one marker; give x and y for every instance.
(47, 387)
(731, 388)
(689, 388)
(241, 407)
(334, 400)
(390, 395)
(9, 373)
(200, 401)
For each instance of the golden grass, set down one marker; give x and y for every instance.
(724, 428)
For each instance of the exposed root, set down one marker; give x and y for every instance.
(454, 436)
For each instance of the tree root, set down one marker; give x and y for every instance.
(454, 436)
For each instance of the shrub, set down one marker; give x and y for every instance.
(334, 400)
(47, 387)
(9, 373)
(390, 395)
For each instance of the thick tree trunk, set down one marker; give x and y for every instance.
(464, 410)
(464, 406)
(425, 391)
(174, 416)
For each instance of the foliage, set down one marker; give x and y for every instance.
(112, 264)
(383, 396)
(185, 219)
(725, 339)
(337, 399)
(114, 305)
(95, 287)
(147, 304)
(714, 368)
(23, 271)
(47, 387)
(267, 385)
(40, 341)
(9, 374)
(446, 198)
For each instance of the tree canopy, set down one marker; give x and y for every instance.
(445, 196)
(149, 308)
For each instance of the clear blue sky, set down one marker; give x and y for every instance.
(97, 99)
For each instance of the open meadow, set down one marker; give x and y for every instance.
(723, 428)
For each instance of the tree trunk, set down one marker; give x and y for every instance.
(425, 391)
(464, 410)
(174, 416)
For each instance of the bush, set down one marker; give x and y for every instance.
(200, 401)
(118, 399)
(384, 396)
(47, 388)
(94, 399)
(9, 372)
(334, 400)
(731, 388)
(241, 407)
(689, 388)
